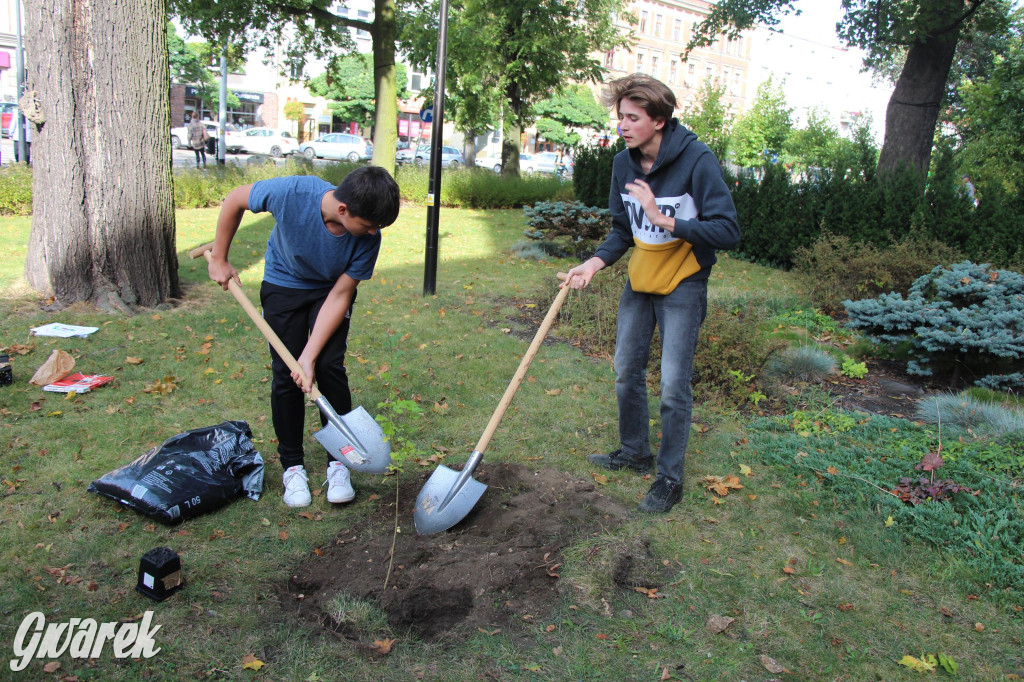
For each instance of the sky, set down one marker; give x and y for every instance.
(817, 20)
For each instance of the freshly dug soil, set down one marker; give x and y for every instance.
(499, 564)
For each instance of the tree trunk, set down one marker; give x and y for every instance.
(913, 109)
(385, 86)
(103, 213)
(512, 132)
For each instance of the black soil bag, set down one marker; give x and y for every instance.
(189, 474)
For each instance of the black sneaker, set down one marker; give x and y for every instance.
(664, 495)
(616, 460)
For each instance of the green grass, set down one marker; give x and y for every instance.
(451, 352)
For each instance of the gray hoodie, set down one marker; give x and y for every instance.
(688, 184)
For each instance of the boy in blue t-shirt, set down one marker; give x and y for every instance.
(324, 242)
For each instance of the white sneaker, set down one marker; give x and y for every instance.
(339, 484)
(296, 487)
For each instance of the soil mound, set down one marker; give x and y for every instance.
(499, 564)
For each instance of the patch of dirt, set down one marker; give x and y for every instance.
(886, 390)
(499, 564)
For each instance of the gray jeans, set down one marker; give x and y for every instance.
(678, 316)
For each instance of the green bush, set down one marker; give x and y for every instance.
(16, 189)
(592, 172)
(965, 321)
(834, 267)
(479, 188)
(576, 222)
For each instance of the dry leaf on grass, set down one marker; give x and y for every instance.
(383, 646)
(721, 485)
(771, 665)
(250, 662)
(717, 624)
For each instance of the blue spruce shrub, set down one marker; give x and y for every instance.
(965, 321)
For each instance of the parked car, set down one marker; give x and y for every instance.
(179, 136)
(7, 111)
(450, 156)
(276, 143)
(338, 146)
(545, 162)
(492, 162)
(408, 153)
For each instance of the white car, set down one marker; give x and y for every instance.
(276, 143)
(338, 146)
(179, 136)
(492, 162)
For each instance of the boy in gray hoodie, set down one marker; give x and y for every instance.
(669, 201)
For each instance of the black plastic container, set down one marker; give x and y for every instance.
(160, 573)
(6, 373)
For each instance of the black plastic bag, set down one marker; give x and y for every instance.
(189, 474)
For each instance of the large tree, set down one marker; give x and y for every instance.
(927, 30)
(758, 136)
(348, 85)
(308, 28)
(570, 109)
(103, 212)
(710, 118)
(524, 50)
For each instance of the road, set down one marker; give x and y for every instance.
(181, 158)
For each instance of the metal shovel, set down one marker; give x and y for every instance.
(355, 439)
(449, 495)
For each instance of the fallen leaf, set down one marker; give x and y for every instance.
(283, 535)
(383, 646)
(846, 607)
(832, 470)
(745, 470)
(771, 665)
(921, 665)
(844, 562)
(889, 521)
(553, 391)
(717, 624)
(978, 627)
(51, 667)
(789, 569)
(600, 479)
(602, 636)
(250, 662)
(133, 360)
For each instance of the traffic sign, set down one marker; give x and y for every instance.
(427, 114)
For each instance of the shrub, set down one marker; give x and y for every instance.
(965, 320)
(802, 363)
(834, 267)
(581, 225)
(16, 189)
(478, 188)
(592, 173)
(968, 413)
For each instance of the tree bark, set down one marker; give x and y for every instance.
(103, 226)
(913, 109)
(385, 85)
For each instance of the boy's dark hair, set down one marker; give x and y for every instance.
(650, 94)
(370, 193)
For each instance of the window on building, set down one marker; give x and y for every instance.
(639, 62)
(672, 72)
(654, 66)
(609, 59)
(363, 16)
(677, 30)
(658, 19)
(709, 71)
(295, 69)
(643, 21)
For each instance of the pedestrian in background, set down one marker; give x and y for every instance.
(13, 131)
(197, 137)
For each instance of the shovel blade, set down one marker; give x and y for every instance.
(363, 448)
(432, 514)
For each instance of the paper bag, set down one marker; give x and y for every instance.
(56, 367)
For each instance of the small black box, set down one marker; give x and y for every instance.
(160, 573)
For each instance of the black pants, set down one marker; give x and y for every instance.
(200, 152)
(28, 152)
(291, 313)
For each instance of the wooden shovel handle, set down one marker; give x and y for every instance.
(524, 365)
(260, 323)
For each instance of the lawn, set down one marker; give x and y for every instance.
(817, 577)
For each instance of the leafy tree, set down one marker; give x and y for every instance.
(814, 144)
(348, 85)
(929, 32)
(989, 122)
(760, 133)
(521, 49)
(308, 29)
(709, 117)
(103, 227)
(569, 108)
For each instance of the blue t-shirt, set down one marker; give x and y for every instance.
(301, 252)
